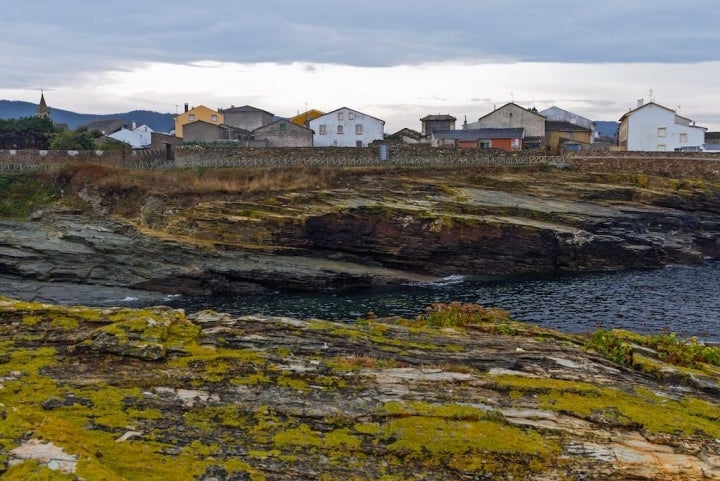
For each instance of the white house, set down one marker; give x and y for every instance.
(145, 133)
(653, 128)
(346, 127)
(129, 137)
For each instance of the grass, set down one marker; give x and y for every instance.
(21, 195)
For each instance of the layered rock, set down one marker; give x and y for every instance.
(461, 393)
(367, 228)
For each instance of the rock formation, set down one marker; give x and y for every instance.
(352, 228)
(459, 393)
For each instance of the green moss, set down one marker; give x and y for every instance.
(639, 408)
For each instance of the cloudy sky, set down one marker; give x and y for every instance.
(397, 60)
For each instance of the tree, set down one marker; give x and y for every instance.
(26, 133)
(79, 139)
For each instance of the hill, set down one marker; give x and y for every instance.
(607, 128)
(13, 109)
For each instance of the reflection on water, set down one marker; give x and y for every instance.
(683, 299)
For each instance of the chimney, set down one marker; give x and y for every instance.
(640, 102)
(186, 107)
(134, 125)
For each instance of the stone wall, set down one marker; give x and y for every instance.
(189, 156)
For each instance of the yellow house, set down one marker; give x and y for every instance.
(565, 136)
(304, 118)
(193, 115)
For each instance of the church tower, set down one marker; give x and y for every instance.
(42, 111)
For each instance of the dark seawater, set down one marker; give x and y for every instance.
(682, 299)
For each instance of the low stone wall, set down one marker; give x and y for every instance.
(192, 156)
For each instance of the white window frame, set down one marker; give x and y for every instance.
(662, 148)
(323, 129)
(662, 131)
(213, 118)
(358, 129)
(191, 117)
(683, 138)
(340, 116)
(340, 129)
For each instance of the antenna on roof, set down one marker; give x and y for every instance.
(652, 99)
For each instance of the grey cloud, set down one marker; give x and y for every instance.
(49, 36)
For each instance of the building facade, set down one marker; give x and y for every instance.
(199, 113)
(566, 137)
(201, 131)
(512, 116)
(284, 133)
(346, 127)
(509, 140)
(556, 114)
(431, 123)
(246, 117)
(653, 128)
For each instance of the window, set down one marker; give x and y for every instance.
(662, 132)
(191, 117)
(683, 138)
(484, 144)
(213, 118)
(661, 148)
(340, 129)
(283, 126)
(351, 115)
(570, 135)
(323, 129)
(358, 129)
(340, 116)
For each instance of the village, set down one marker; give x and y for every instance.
(649, 127)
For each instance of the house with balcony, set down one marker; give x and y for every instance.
(650, 127)
(346, 127)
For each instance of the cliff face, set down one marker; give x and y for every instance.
(361, 228)
(461, 393)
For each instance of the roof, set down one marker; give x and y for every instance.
(287, 121)
(532, 111)
(438, 117)
(244, 108)
(631, 111)
(479, 134)
(107, 126)
(348, 108)
(557, 125)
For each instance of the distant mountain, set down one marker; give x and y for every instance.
(607, 128)
(15, 109)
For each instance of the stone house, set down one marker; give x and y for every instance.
(650, 127)
(566, 137)
(201, 131)
(346, 127)
(511, 116)
(284, 133)
(246, 117)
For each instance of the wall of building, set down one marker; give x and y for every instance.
(196, 113)
(643, 132)
(514, 116)
(201, 132)
(553, 139)
(372, 129)
(284, 133)
(248, 120)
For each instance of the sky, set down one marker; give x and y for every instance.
(396, 60)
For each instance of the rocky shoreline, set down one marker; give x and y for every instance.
(460, 393)
(101, 243)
